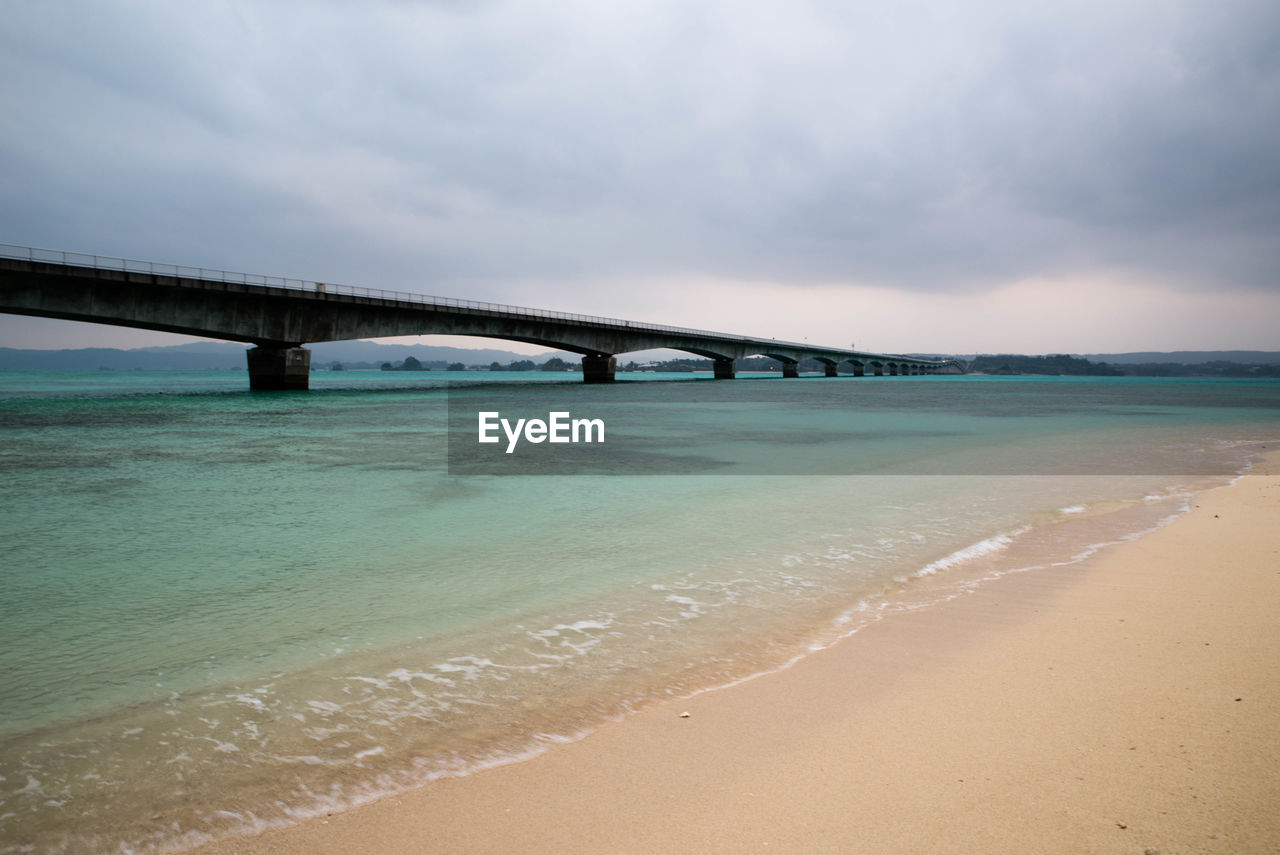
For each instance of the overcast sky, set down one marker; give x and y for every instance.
(998, 175)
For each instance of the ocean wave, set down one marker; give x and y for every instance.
(969, 553)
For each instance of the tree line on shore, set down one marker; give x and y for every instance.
(227, 356)
(993, 364)
(1065, 365)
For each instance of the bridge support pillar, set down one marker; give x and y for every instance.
(598, 369)
(857, 370)
(830, 370)
(276, 368)
(893, 370)
(724, 369)
(791, 369)
(879, 370)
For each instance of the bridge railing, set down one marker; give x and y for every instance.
(107, 262)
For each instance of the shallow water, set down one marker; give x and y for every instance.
(222, 610)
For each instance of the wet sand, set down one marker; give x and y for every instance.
(1130, 703)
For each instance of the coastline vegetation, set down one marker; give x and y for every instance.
(1238, 364)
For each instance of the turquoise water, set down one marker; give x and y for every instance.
(222, 610)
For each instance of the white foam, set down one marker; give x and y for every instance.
(969, 553)
(324, 706)
(846, 617)
(584, 625)
(1074, 509)
(404, 675)
(33, 787)
(305, 759)
(250, 700)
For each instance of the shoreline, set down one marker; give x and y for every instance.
(1089, 708)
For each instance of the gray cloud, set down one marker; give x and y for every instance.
(477, 146)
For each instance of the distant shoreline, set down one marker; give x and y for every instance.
(356, 355)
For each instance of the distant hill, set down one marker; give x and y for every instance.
(1012, 363)
(1063, 364)
(1188, 357)
(93, 358)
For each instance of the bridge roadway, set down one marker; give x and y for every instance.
(280, 315)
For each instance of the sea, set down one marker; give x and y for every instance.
(223, 611)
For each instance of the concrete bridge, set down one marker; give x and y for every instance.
(280, 315)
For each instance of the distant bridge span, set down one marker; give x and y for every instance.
(280, 315)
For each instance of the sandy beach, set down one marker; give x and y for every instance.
(1129, 703)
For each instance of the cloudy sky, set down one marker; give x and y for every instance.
(989, 175)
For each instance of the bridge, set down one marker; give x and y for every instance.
(279, 315)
